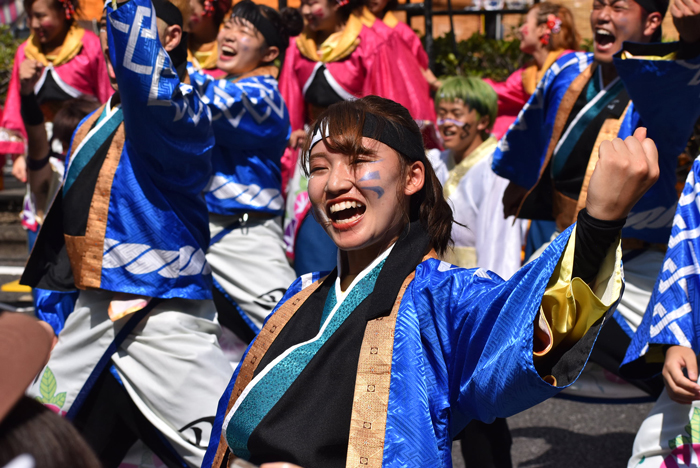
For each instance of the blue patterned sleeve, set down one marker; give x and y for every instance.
(670, 318)
(487, 336)
(244, 112)
(165, 120)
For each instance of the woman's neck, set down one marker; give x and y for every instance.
(353, 262)
(540, 56)
(54, 47)
(323, 34)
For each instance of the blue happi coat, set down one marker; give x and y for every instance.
(156, 229)
(463, 350)
(251, 128)
(673, 314)
(665, 98)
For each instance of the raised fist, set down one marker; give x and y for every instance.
(686, 19)
(29, 73)
(624, 172)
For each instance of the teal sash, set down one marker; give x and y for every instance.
(104, 127)
(267, 388)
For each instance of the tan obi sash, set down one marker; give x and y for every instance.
(85, 252)
(371, 398)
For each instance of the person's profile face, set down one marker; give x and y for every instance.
(530, 32)
(359, 203)
(241, 47)
(196, 16)
(458, 125)
(319, 15)
(104, 43)
(47, 21)
(614, 22)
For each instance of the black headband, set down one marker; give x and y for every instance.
(168, 12)
(397, 137)
(244, 10)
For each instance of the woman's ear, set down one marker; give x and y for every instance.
(415, 178)
(270, 54)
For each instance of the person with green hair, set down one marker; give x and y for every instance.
(466, 109)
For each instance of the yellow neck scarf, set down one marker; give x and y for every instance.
(532, 76)
(338, 46)
(70, 48)
(461, 169)
(367, 17)
(390, 19)
(205, 58)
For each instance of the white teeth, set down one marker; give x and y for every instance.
(345, 205)
(227, 49)
(603, 32)
(349, 220)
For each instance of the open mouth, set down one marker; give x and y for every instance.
(604, 39)
(346, 212)
(448, 132)
(227, 53)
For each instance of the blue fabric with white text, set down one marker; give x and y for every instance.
(157, 225)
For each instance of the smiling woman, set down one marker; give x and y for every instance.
(385, 360)
(244, 197)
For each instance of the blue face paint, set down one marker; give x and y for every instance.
(378, 190)
(457, 123)
(374, 175)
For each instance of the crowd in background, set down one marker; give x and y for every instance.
(173, 184)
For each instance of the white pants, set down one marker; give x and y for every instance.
(250, 264)
(665, 438)
(171, 365)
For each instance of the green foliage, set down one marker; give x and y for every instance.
(8, 47)
(587, 45)
(478, 56)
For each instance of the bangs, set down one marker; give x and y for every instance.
(247, 11)
(341, 127)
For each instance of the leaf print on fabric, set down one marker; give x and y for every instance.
(59, 400)
(685, 448)
(48, 385)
